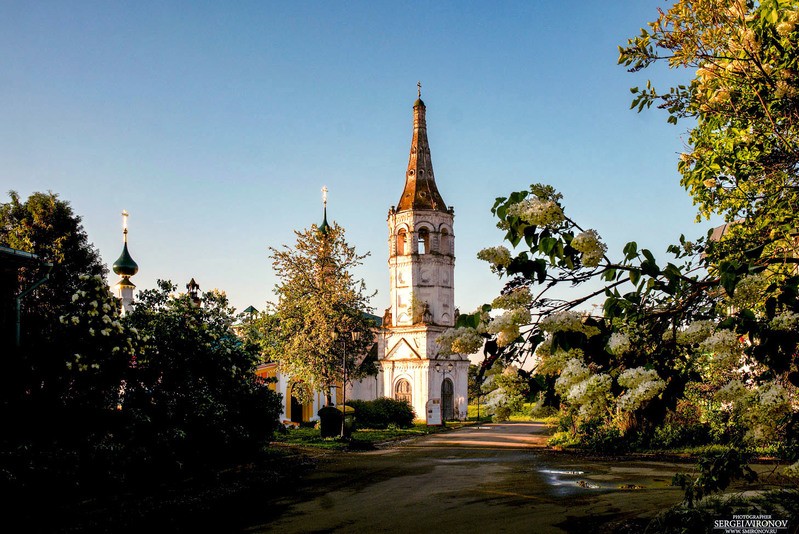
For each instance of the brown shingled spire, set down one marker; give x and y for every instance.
(420, 191)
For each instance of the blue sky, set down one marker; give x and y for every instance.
(215, 124)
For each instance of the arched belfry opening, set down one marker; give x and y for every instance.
(424, 241)
(402, 238)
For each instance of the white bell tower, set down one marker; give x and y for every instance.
(421, 266)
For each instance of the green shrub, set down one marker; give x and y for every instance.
(502, 414)
(672, 436)
(598, 436)
(539, 411)
(382, 412)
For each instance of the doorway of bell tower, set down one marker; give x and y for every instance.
(447, 400)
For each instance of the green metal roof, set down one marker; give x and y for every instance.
(125, 266)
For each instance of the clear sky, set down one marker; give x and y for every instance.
(216, 124)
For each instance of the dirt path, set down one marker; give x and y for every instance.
(493, 478)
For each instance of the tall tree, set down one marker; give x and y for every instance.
(46, 226)
(726, 311)
(195, 398)
(743, 109)
(320, 305)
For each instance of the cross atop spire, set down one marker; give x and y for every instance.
(324, 227)
(419, 89)
(125, 266)
(125, 226)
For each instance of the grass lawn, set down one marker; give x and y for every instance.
(362, 439)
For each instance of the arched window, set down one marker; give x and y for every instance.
(424, 241)
(444, 242)
(402, 391)
(447, 404)
(401, 235)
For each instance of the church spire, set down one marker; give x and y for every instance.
(420, 191)
(125, 267)
(324, 228)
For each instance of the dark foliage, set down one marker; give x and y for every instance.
(382, 412)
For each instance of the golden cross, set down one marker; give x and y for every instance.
(125, 225)
(324, 195)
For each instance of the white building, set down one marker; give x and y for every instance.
(421, 267)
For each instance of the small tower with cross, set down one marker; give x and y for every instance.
(125, 267)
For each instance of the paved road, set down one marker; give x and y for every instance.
(493, 478)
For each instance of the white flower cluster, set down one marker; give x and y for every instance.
(724, 345)
(695, 332)
(459, 341)
(785, 321)
(506, 326)
(555, 362)
(518, 298)
(496, 256)
(619, 344)
(588, 393)
(567, 321)
(642, 386)
(591, 396)
(592, 248)
(537, 212)
(733, 391)
(574, 371)
(772, 395)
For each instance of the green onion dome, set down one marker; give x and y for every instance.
(125, 266)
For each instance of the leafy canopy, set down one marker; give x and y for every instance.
(320, 305)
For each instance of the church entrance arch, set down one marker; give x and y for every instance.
(447, 400)
(402, 391)
(296, 411)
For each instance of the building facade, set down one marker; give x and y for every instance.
(421, 243)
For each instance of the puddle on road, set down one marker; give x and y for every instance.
(557, 472)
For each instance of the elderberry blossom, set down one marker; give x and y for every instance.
(724, 344)
(591, 396)
(459, 341)
(498, 257)
(772, 395)
(537, 212)
(592, 248)
(733, 391)
(642, 386)
(574, 372)
(568, 321)
(619, 344)
(695, 332)
(518, 298)
(588, 393)
(786, 321)
(506, 326)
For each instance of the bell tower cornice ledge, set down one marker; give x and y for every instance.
(421, 192)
